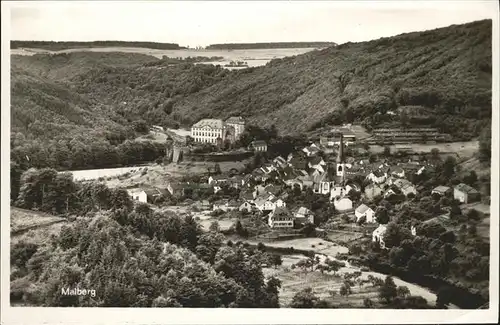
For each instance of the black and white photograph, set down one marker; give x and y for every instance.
(165, 158)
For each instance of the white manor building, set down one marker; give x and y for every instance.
(214, 130)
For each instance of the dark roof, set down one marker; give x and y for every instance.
(315, 160)
(235, 120)
(258, 143)
(378, 173)
(466, 188)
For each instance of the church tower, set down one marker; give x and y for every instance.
(340, 160)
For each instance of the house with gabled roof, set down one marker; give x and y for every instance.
(258, 146)
(303, 215)
(278, 203)
(342, 203)
(465, 193)
(377, 176)
(392, 190)
(294, 182)
(311, 150)
(365, 211)
(398, 171)
(280, 162)
(217, 179)
(378, 235)
(442, 190)
(265, 203)
(272, 189)
(405, 186)
(138, 194)
(281, 218)
(247, 206)
(316, 162)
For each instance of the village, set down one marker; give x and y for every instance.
(331, 188)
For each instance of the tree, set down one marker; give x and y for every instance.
(472, 230)
(455, 210)
(214, 226)
(333, 265)
(361, 220)
(387, 151)
(403, 118)
(368, 303)
(304, 299)
(140, 126)
(276, 260)
(345, 290)
(403, 291)
(382, 215)
(473, 214)
(395, 234)
(388, 291)
(471, 178)
(217, 170)
(449, 167)
(435, 154)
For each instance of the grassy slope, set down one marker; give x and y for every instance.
(297, 92)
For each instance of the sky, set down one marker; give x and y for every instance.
(200, 23)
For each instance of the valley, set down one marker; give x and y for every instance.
(352, 176)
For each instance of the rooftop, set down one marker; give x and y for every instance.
(258, 143)
(362, 208)
(304, 211)
(235, 120)
(211, 123)
(465, 188)
(441, 188)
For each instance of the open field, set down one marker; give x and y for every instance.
(296, 280)
(320, 246)
(463, 149)
(23, 220)
(160, 175)
(224, 224)
(91, 174)
(344, 236)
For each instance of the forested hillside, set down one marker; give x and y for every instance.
(445, 71)
(438, 78)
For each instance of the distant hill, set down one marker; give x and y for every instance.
(445, 71)
(64, 66)
(273, 45)
(58, 46)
